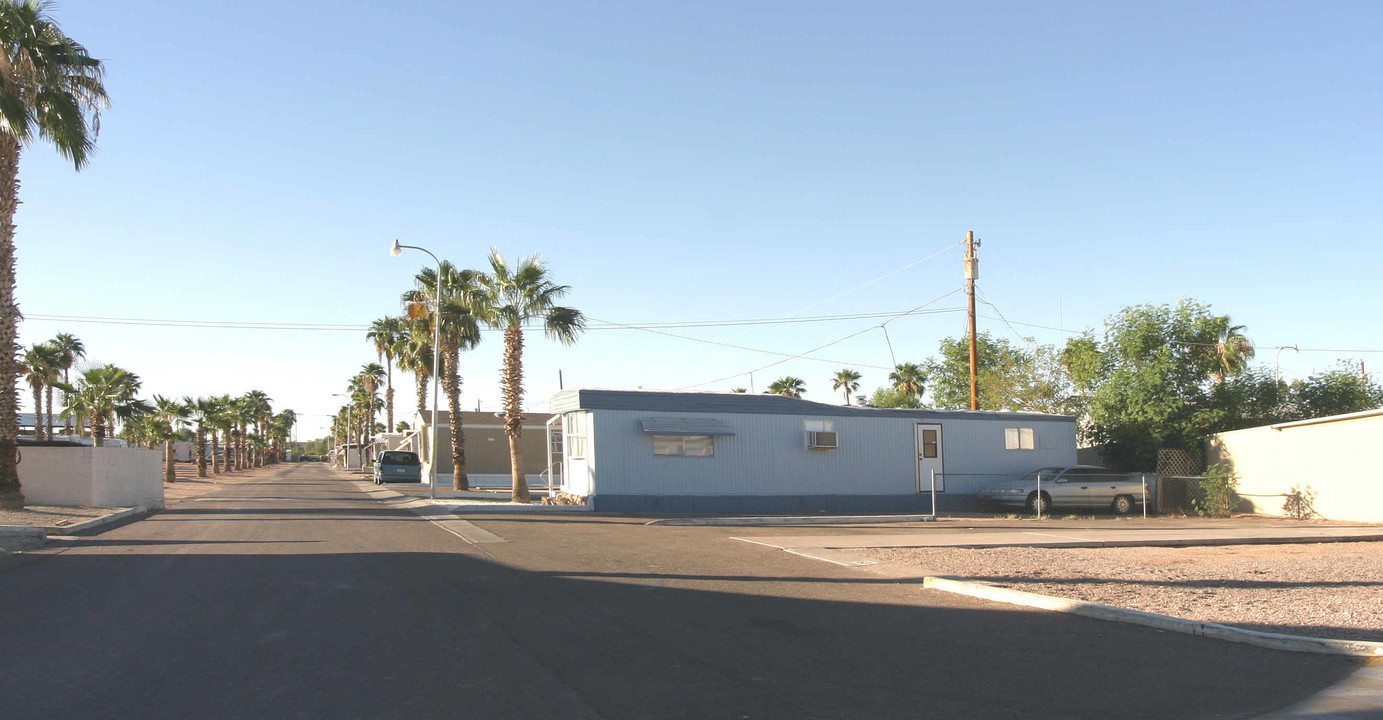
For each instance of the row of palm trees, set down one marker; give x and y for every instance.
(51, 90)
(506, 297)
(908, 379)
(242, 432)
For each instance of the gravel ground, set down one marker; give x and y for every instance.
(50, 516)
(1330, 590)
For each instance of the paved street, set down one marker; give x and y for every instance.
(297, 596)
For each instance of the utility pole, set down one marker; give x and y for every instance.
(972, 271)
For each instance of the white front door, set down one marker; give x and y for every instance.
(929, 458)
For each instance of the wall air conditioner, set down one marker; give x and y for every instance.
(822, 440)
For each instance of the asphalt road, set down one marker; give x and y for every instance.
(297, 596)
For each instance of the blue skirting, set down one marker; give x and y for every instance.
(769, 504)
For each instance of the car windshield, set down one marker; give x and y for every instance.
(398, 458)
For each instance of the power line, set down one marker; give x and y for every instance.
(833, 342)
(729, 345)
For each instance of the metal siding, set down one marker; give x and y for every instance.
(977, 446)
(767, 455)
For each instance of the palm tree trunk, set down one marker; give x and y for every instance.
(169, 475)
(451, 381)
(98, 430)
(422, 394)
(10, 495)
(215, 454)
(512, 383)
(50, 412)
(389, 395)
(201, 450)
(38, 412)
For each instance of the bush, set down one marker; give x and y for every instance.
(1217, 496)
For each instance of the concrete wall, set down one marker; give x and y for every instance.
(1339, 460)
(92, 477)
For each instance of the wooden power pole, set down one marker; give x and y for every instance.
(972, 271)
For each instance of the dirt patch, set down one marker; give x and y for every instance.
(1331, 590)
(52, 515)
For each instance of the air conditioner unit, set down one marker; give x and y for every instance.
(822, 440)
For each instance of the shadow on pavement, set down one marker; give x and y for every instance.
(451, 634)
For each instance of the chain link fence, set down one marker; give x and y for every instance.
(1051, 492)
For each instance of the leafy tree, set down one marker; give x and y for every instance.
(1336, 392)
(1083, 362)
(507, 298)
(1155, 394)
(891, 398)
(788, 386)
(1008, 377)
(50, 89)
(846, 380)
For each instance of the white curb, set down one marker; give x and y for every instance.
(1274, 641)
(795, 520)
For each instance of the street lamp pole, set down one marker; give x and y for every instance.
(1277, 375)
(397, 250)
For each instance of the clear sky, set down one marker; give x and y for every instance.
(706, 161)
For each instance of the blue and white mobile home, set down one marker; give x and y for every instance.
(639, 451)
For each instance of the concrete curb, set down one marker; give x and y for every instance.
(22, 537)
(94, 523)
(1273, 641)
(770, 520)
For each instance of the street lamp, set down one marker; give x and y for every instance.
(1277, 375)
(397, 250)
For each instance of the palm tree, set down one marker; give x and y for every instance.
(41, 370)
(740, 390)
(458, 330)
(788, 386)
(104, 393)
(507, 299)
(1233, 351)
(50, 89)
(370, 377)
(909, 379)
(415, 356)
(71, 350)
(847, 380)
(281, 429)
(167, 415)
(218, 420)
(387, 334)
(203, 411)
(258, 412)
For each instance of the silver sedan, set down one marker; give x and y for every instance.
(1073, 486)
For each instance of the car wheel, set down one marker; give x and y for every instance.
(1123, 505)
(1039, 504)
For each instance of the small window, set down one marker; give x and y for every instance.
(820, 434)
(684, 445)
(576, 434)
(1019, 439)
(819, 425)
(929, 449)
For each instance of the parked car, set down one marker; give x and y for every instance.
(1074, 486)
(398, 466)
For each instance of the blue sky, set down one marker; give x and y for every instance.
(706, 161)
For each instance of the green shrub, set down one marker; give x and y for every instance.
(1217, 496)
